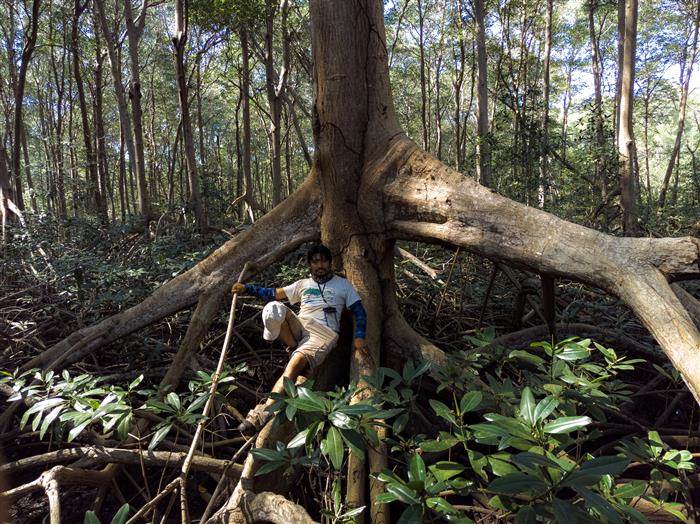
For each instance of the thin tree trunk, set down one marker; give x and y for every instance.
(95, 201)
(543, 193)
(458, 82)
(423, 86)
(102, 161)
(685, 83)
(179, 45)
(599, 176)
(125, 121)
(27, 51)
(274, 102)
(28, 171)
(483, 147)
(134, 30)
(629, 191)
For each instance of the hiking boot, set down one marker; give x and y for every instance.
(255, 421)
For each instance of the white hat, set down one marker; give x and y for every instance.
(273, 315)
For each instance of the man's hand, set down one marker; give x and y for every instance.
(359, 344)
(238, 288)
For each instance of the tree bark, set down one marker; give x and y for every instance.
(629, 187)
(179, 45)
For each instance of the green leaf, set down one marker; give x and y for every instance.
(631, 489)
(158, 436)
(353, 512)
(527, 406)
(526, 515)
(304, 405)
(572, 353)
(564, 425)
(173, 400)
(598, 503)
(77, 430)
(442, 411)
(530, 460)
(411, 515)
(267, 455)
(299, 439)
(526, 356)
(591, 470)
(445, 470)
(91, 518)
(563, 510)
(289, 387)
(544, 408)
(312, 397)
(470, 401)
(336, 450)
(268, 467)
(517, 483)
(403, 493)
(416, 468)
(48, 420)
(122, 515)
(354, 441)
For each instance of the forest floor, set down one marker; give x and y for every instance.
(60, 279)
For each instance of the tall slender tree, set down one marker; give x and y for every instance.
(629, 186)
(179, 46)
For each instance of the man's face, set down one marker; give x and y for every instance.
(320, 267)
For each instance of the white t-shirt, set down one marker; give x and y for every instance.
(318, 299)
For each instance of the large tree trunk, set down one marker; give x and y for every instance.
(179, 45)
(629, 187)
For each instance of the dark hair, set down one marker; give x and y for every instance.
(319, 249)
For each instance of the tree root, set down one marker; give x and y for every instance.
(97, 455)
(619, 341)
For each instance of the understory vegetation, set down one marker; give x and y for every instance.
(594, 426)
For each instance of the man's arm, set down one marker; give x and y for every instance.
(265, 293)
(360, 323)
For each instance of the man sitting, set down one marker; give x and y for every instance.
(313, 333)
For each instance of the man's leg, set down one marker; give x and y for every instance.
(287, 335)
(258, 416)
(296, 365)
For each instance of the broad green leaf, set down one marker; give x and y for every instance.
(299, 439)
(416, 468)
(403, 493)
(312, 397)
(122, 515)
(598, 503)
(517, 483)
(336, 450)
(354, 442)
(563, 510)
(289, 387)
(527, 406)
(268, 467)
(572, 353)
(526, 515)
(590, 471)
(530, 460)
(267, 454)
(442, 411)
(411, 515)
(445, 470)
(158, 436)
(91, 518)
(631, 489)
(545, 407)
(173, 399)
(49, 419)
(304, 404)
(470, 401)
(564, 425)
(353, 512)
(526, 356)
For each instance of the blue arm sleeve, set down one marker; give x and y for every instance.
(360, 319)
(265, 293)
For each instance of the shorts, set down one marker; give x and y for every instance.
(314, 340)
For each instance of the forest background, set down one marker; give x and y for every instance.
(136, 138)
